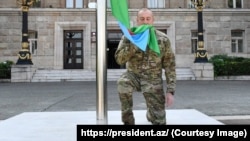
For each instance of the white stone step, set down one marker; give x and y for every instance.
(61, 126)
(53, 75)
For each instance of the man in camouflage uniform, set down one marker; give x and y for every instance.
(144, 73)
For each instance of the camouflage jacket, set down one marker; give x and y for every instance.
(148, 64)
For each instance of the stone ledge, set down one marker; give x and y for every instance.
(241, 77)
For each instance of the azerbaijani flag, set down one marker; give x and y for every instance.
(142, 35)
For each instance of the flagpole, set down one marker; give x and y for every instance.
(101, 71)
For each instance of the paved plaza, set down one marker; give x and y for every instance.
(225, 100)
(50, 111)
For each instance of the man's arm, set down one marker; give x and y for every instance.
(124, 51)
(170, 72)
(170, 68)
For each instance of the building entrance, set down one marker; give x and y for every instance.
(114, 37)
(73, 49)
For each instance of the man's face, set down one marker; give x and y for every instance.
(145, 17)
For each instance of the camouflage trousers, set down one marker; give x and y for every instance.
(153, 93)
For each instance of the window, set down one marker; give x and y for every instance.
(237, 41)
(156, 3)
(33, 41)
(191, 4)
(74, 3)
(235, 3)
(194, 41)
(37, 3)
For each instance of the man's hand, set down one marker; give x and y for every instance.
(169, 99)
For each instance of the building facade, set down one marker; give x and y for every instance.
(62, 33)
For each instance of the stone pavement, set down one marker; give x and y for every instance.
(61, 126)
(227, 101)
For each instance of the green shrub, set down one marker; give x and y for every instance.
(5, 69)
(227, 65)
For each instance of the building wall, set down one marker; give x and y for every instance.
(8, 4)
(51, 20)
(132, 3)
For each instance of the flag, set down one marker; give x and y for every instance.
(142, 35)
(119, 10)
